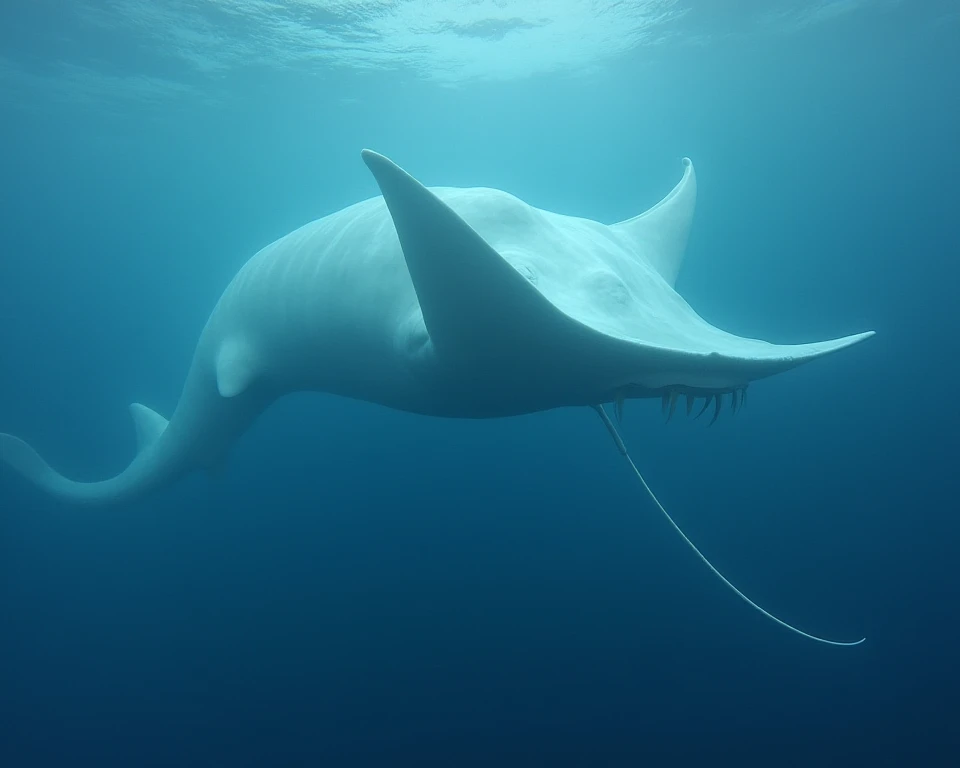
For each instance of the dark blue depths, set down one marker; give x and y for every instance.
(363, 587)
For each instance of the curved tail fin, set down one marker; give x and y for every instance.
(623, 452)
(18, 455)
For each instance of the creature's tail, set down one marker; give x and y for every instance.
(144, 472)
(623, 452)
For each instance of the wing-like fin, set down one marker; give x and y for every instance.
(477, 306)
(660, 234)
(472, 299)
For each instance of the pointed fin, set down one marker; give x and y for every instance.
(149, 425)
(236, 367)
(660, 233)
(478, 308)
(471, 298)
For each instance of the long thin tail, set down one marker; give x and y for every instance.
(141, 474)
(623, 451)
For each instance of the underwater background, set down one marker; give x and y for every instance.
(366, 587)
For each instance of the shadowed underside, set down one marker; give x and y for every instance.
(449, 302)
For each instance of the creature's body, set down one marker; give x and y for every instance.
(448, 302)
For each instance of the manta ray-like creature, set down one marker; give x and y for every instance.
(448, 302)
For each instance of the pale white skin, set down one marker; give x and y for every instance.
(448, 302)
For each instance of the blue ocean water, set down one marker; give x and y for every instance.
(367, 587)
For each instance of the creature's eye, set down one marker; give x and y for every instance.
(527, 271)
(609, 286)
